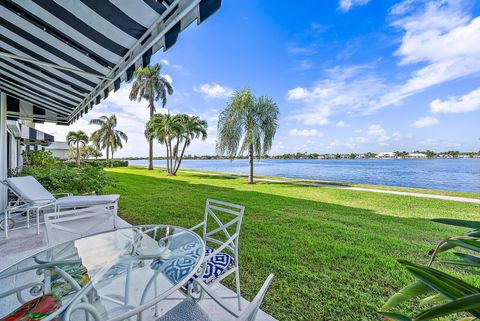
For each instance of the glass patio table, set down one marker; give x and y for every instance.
(106, 276)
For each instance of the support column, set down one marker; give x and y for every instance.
(3, 148)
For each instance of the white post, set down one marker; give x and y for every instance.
(3, 149)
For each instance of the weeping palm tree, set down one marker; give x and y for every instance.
(249, 125)
(76, 138)
(107, 136)
(151, 86)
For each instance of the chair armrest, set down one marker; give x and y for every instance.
(215, 297)
(62, 194)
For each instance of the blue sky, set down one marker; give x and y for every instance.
(348, 75)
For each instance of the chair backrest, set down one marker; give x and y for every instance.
(250, 312)
(214, 209)
(29, 189)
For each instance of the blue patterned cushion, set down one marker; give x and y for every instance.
(177, 269)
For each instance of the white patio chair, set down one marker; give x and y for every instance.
(188, 309)
(34, 197)
(221, 259)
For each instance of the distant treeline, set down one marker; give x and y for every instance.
(397, 154)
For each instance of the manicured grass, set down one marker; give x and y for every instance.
(333, 252)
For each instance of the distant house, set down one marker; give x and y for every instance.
(58, 149)
(417, 155)
(386, 155)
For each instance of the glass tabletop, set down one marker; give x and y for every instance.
(107, 275)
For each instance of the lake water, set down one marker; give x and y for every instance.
(444, 174)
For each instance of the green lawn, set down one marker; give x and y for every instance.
(333, 252)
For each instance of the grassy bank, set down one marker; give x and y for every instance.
(333, 251)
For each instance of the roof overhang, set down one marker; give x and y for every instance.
(59, 59)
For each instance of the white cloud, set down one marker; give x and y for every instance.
(466, 103)
(425, 122)
(214, 90)
(379, 134)
(346, 5)
(304, 64)
(351, 89)
(169, 78)
(341, 124)
(444, 37)
(165, 62)
(304, 133)
(298, 93)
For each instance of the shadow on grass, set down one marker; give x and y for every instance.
(318, 251)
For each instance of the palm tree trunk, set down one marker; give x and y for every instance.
(150, 143)
(108, 152)
(168, 156)
(250, 163)
(78, 153)
(171, 158)
(174, 171)
(181, 157)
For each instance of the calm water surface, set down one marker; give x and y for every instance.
(443, 174)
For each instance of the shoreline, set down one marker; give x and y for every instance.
(332, 184)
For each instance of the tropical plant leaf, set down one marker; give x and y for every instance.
(454, 222)
(463, 304)
(450, 286)
(389, 316)
(410, 291)
(473, 245)
(436, 298)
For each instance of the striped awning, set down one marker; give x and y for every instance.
(28, 135)
(60, 58)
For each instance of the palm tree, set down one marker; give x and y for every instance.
(164, 127)
(173, 132)
(76, 138)
(192, 127)
(247, 124)
(151, 86)
(107, 136)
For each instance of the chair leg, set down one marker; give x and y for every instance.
(237, 281)
(115, 211)
(38, 221)
(7, 218)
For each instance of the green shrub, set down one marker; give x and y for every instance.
(102, 163)
(39, 158)
(63, 177)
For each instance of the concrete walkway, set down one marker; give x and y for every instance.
(361, 189)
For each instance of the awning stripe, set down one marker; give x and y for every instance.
(26, 109)
(28, 81)
(46, 52)
(80, 26)
(52, 45)
(116, 17)
(67, 107)
(24, 51)
(84, 38)
(55, 32)
(35, 75)
(47, 103)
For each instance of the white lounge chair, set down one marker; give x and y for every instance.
(188, 309)
(32, 196)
